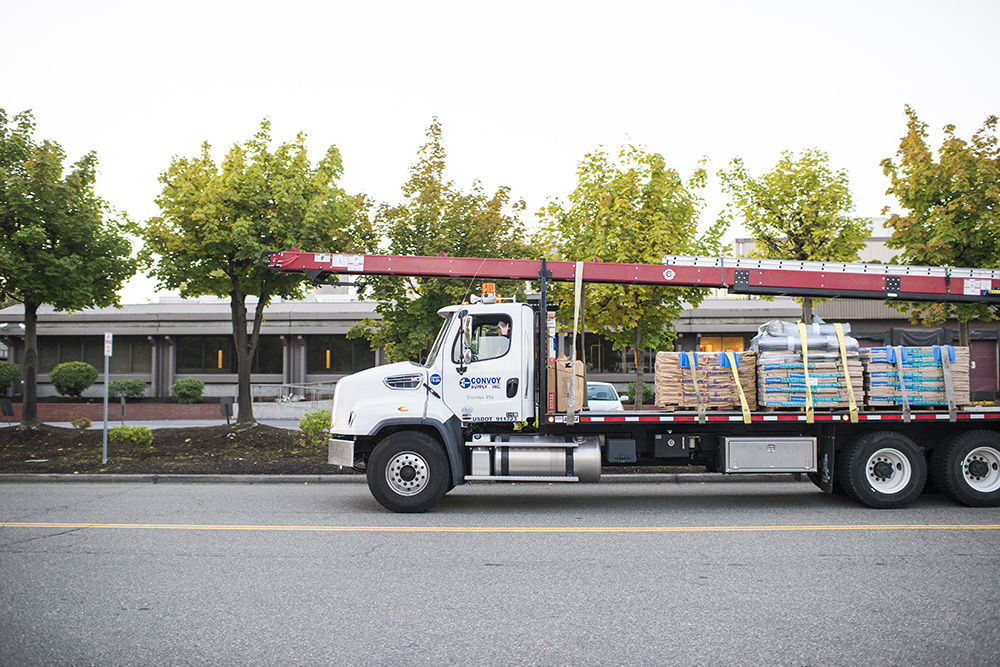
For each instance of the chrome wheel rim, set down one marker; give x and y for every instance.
(888, 470)
(407, 473)
(981, 469)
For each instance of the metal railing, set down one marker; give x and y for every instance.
(292, 393)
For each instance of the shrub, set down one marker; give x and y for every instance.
(72, 377)
(140, 437)
(81, 422)
(8, 373)
(315, 425)
(648, 395)
(127, 388)
(188, 390)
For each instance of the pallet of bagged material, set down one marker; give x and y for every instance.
(676, 382)
(925, 381)
(782, 375)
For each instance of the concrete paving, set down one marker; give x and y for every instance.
(291, 424)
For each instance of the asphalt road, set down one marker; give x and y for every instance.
(638, 574)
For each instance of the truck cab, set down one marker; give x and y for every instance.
(479, 370)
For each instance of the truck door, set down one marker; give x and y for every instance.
(488, 387)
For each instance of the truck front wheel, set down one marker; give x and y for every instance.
(883, 470)
(408, 472)
(967, 468)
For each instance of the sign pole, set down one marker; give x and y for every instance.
(107, 358)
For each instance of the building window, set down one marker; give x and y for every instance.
(601, 357)
(131, 354)
(55, 350)
(722, 344)
(337, 355)
(217, 354)
(268, 358)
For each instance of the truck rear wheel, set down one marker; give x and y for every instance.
(883, 470)
(408, 472)
(967, 468)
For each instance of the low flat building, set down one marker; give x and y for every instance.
(305, 343)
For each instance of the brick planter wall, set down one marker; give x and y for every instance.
(94, 411)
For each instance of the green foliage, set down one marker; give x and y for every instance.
(216, 220)
(315, 426)
(648, 394)
(72, 378)
(9, 373)
(139, 437)
(631, 210)
(81, 423)
(60, 244)
(952, 209)
(127, 388)
(188, 390)
(799, 210)
(436, 218)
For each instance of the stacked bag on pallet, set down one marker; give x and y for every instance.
(926, 373)
(783, 366)
(711, 380)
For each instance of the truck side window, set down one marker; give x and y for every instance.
(490, 338)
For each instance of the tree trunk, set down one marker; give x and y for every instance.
(639, 363)
(244, 356)
(963, 334)
(29, 402)
(807, 310)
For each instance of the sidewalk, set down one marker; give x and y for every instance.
(290, 424)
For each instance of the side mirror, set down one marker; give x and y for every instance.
(465, 357)
(624, 398)
(466, 333)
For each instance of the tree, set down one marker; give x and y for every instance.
(953, 211)
(630, 210)
(435, 218)
(799, 210)
(217, 220)
(59, 242)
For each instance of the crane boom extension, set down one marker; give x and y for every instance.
(739, 275)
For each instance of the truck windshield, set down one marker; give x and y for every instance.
(438, 342)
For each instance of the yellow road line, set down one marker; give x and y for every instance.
(505, 529)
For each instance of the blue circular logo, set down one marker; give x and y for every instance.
(464, 383)
(435, 379)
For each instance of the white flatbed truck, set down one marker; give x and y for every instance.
(479, 409)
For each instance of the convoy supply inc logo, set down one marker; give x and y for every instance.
(479, 383)
(435, 379)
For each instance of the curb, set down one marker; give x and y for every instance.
(619, 478)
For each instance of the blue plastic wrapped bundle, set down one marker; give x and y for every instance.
(793, 343)
(781, 328)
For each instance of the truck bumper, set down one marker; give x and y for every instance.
(341, 452)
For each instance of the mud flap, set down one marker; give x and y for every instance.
(825, 460)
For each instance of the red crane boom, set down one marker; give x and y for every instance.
(738, 275)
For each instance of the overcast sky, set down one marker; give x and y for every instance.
(523, 89)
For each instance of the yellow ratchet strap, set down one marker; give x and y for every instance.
(692, 359)
(949, 385)
(902, 384)
(810, 413)
(739, 387)
(847, 374)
